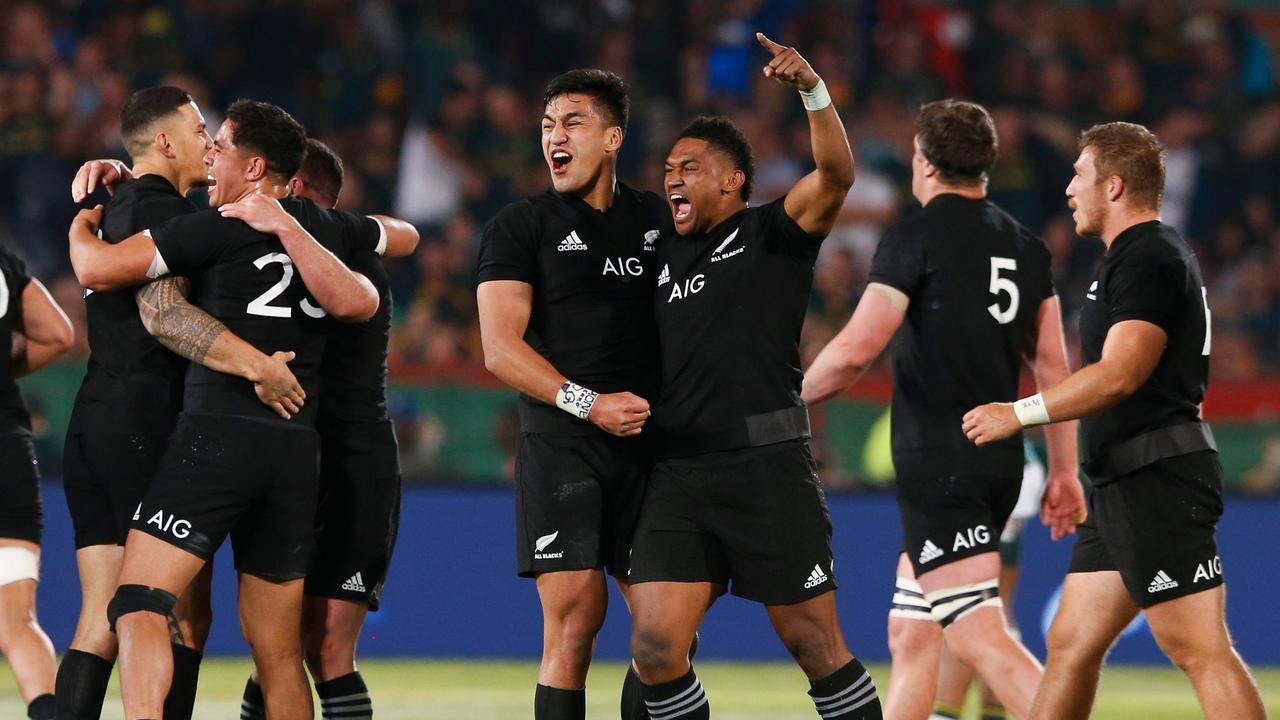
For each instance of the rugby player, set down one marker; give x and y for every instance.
(34, 331)
(974, 290)
(132, 394)
(233, 465)
(566, 318)
(359, 507)
(734, 501)
(1149, 545)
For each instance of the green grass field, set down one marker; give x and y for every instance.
(436, 690)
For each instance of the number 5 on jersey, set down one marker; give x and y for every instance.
(261, 305)
(1003, 285)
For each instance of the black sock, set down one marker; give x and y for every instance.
(252, 704)
(81, 685)
(848, 694)
(555, 704)
(680, 699)
(632, 705)
(345, 698)
(42, 708)
(181, 700)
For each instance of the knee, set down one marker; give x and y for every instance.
(575, 631)
(132, 600)
(1072, 644)
(654, 653)
(1192, 654)
(914, 638)
(328, 654)
(810, 644)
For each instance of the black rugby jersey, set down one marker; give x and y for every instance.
(730, 304)
(354, 368)
(1148, 274)
(14, 279)
(133, 383)
(975, 279)
(245, 279)
(592, 274)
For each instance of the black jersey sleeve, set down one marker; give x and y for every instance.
(788, 233)
(18, 277)
(1045, 270)
(189, 243)
(509, 246)
(899, 261)
(360, 233)
(1148, 289)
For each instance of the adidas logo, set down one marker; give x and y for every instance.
(571, 242)
(816, 578)
(542, 543)
(1092, 289)
(664, 277)
(1161, 582)
(355, 583)
(137, 512)
(930, 552)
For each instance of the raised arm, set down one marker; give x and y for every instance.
(347, 296)
(843, 361)
(1129, 356)
(108, 172)
(402, 237)
(1063, 504)
(46, 328)
(815, 200)
(100, 265)
(505, 307)
(201, 338)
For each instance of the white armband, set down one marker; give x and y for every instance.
(1032, 411)
(159, 267)
(382, 236)
(576, 400)
(816, 99)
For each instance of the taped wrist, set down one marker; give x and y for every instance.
(951, 604)
(576, 400)
(816, 98)
(1032, 411)
(139, 598)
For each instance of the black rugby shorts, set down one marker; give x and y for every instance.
(945, 519)
(754, 521)
(1156, 526)
(105, 475)
(21, 509)
(577, 500)
(255, 479)
(358, 514)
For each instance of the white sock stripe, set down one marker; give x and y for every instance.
(344, 698)
(659, 704)
(693, 703)
(854, 686)
(858, 701)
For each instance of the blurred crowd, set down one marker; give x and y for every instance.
(435, 106)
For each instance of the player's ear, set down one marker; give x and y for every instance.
(161, 143)
(257, 168)
(1115, 187)
(613, 142)
(295, 186)
(733, 182)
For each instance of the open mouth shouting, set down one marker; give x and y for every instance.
(681, 208)
(560, 160)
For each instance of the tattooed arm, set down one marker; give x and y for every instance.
(194, 334)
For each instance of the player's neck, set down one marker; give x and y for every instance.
(271, 187)
(1122, 220)
(599, 195)
(150, 166)
(969, 192)
(722, 212)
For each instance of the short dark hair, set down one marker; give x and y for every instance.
(721, 134)
(268, 130)
(1133, 153)
(143, 109)
(321, 169)
(607, 90)
(959, 138)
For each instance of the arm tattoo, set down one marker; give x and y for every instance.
(175, 323)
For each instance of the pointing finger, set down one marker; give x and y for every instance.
(768, 44)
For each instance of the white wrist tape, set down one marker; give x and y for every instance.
(817, 98)
(576, 400)
(1031, 411)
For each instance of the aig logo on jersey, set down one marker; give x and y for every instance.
(691, 286)
(1208, 570)
(623, 266)
(170, 524)
(973, 537)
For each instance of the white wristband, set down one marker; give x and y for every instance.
(1031, 411)
(576, 400)
(817, 98)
